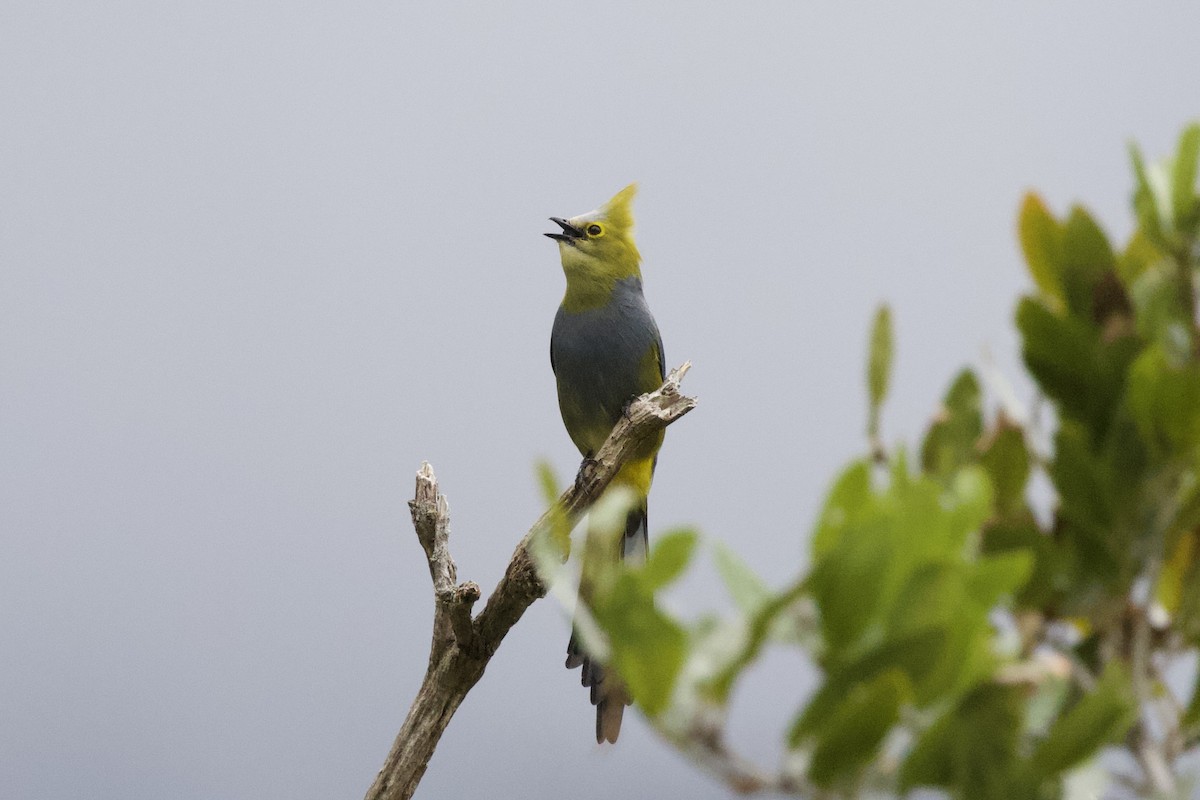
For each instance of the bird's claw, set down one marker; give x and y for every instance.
(585, 468)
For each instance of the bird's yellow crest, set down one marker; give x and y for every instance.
(619, 210)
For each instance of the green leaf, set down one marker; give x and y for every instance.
(746, 589)
(850, 494)
(668, 558)
(1161, 316)
(1165, 402)
(1145, 201)
(936, 598)
(881, 541)
(1086, 257)
(547, 482)
(916, 654)
(837, 581)
(1052, 566)
(963, 401)
(996, 576)
(559, 524)
(1084, 244)
(931, 597)
(879, 365)
(1042, 242)
(1139, 254)
(1185, 562)
(1178, 571)
(1101, 716)
(956, 599)
(853, 734)
(1072, 365)
(1184, 203)
(950, 441)
(1085, 489)
(648, 647)
(1061, 352)
(1006, 459)
(971, 748)
(972, 495)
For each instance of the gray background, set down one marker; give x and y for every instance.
(258, 260)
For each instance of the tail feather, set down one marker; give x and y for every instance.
(575, 656)
(592, 673)
(609, 712)
(608, 694)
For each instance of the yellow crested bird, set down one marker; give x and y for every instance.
(605, 350)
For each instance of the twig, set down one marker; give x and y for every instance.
(462, 646)
(1171, 713)
(452, 604)
(739, 774)
(1149, 752)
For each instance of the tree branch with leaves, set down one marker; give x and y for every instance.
(968, 637)
(462, 645)
(964, 641)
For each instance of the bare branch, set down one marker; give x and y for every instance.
(460, 615)
(431, 518)
(1149, 751)
(452, 605)
(461, 645)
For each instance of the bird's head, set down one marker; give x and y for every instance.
(599, 244)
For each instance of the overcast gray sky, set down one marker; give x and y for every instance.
(258, 260)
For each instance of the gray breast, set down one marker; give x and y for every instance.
(598, 354)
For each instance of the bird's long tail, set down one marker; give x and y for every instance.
(608, 693)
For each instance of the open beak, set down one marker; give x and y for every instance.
(569, 231)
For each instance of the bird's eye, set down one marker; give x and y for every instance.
(595, 230)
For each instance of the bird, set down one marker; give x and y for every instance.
(605, 350)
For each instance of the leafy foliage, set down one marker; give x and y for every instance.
(962, 643)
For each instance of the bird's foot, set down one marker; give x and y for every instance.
(586, 467)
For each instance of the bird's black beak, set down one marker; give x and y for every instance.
(569, 233)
